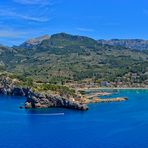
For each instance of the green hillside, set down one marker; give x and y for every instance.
(64, 57)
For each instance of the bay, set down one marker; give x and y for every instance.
(106, 125)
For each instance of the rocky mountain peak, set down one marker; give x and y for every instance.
(35, 41)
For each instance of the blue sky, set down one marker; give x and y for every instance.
(99, 19)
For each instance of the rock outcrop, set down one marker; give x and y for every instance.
(34, 42)
(46, 101)
(39, 100)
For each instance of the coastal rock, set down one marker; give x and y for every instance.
(38, 100)
(8, 88)
(28, 105)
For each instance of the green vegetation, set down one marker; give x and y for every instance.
(64, 58)
(62, 90)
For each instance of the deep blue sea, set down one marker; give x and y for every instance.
(108, 125)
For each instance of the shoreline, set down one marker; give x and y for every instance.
(79, 101)
(114, 88)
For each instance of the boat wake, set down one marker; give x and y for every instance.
(52, 114)
(37, 114)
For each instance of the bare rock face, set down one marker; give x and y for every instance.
(28, 105)
(8, 88)
(34, 42)
(46, 101)
(38, 100)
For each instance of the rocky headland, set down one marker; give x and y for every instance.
(38, 100)
(46, 100)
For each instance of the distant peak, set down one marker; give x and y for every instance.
(38, 39)
(35, 41)
(62, 34)
(69, 36)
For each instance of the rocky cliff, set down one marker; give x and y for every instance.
(35, 100)
(38, 100)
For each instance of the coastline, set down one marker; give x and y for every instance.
(114, 88)
(45, 99)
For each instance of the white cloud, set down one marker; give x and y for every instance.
(13, 14)
(35, 19)
(34, 2)
(85, 29)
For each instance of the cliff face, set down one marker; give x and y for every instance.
(38, 100)
(34, 42)
(46, 101)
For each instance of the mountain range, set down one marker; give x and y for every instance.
(64, 57)
(138, 44)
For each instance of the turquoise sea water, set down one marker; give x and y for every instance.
(109, 125)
